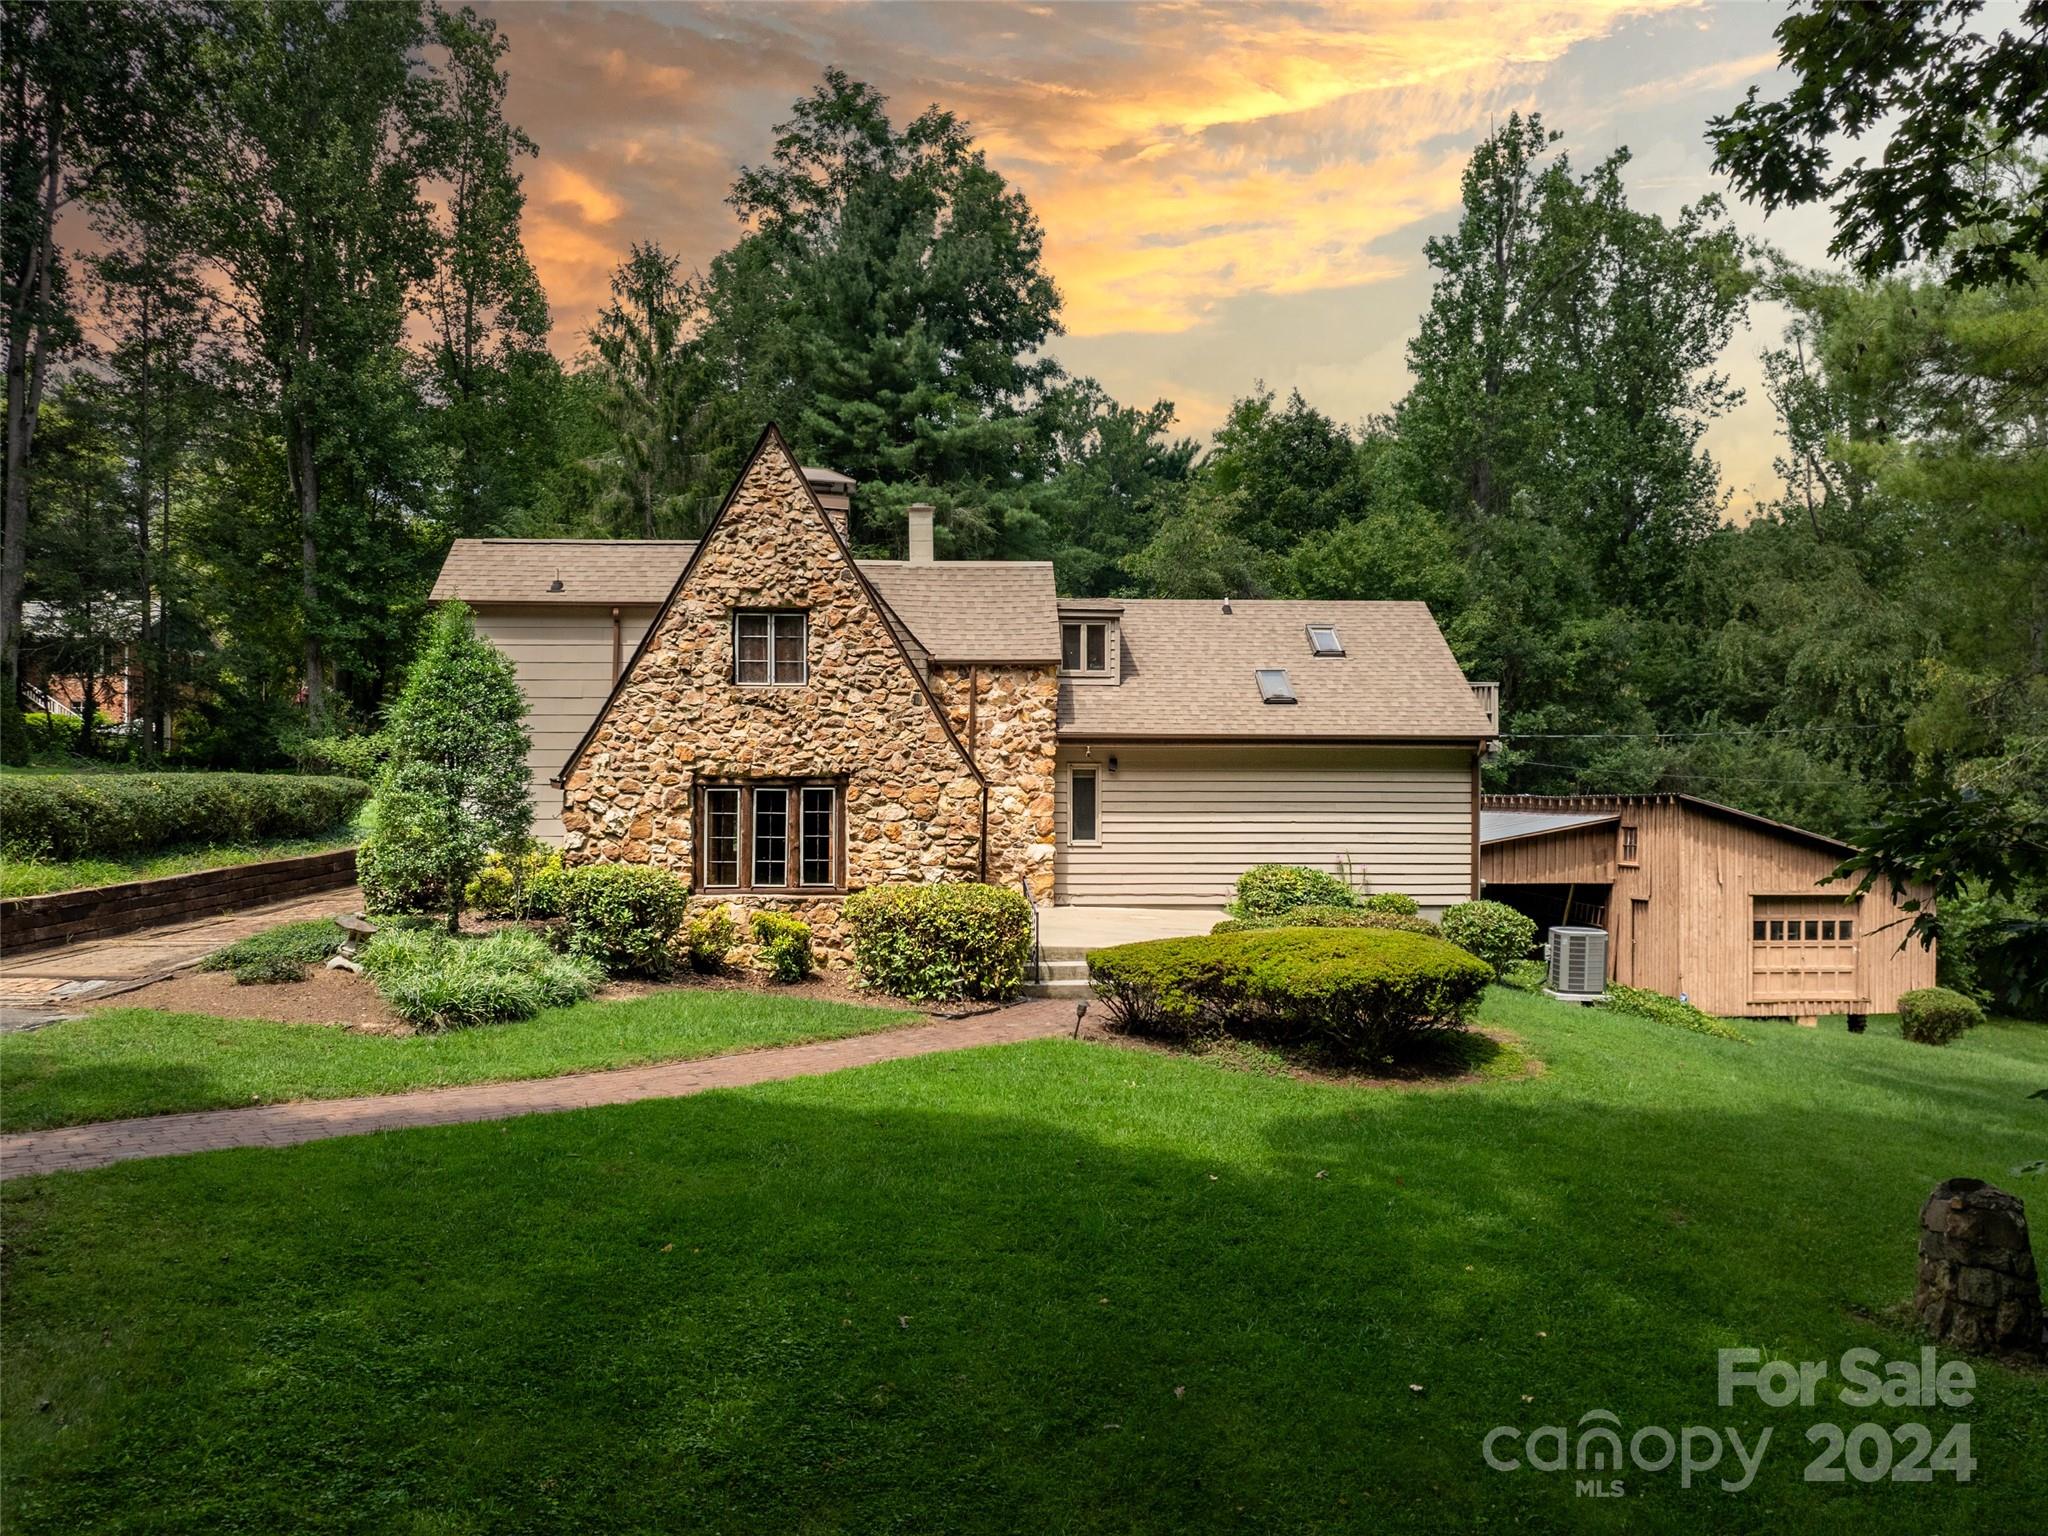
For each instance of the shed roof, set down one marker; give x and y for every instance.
(1188, 673)
(1506, 826)
(1609, 807)
(958, 610)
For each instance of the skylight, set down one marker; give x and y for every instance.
(1273, 685)
(1322, 639)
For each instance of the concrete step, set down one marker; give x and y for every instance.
(1074, 989)
(1061, 970)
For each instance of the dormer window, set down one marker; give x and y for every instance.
(1323, 641)
(1084, 647)
(769, 647)
(1274, 688)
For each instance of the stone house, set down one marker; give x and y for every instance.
(782, 723)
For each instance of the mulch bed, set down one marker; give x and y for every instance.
(338, 997)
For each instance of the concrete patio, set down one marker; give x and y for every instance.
(1066, 934)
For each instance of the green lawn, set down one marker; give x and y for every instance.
(1051, 1287)
(36, 877)
(134, 1061)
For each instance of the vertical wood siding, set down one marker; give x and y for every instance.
(564, 659)
(1180, 823)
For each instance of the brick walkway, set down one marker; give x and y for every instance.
(45, 979)
(71, 1148)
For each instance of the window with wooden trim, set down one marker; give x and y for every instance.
(771, 837)
(1628, 845)
(769, 647)
(1084, 808)
(1084, 647)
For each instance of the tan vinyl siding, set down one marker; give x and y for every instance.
(1179, 823)
(564, 660)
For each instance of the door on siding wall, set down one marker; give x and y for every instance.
(1638, 925)
(1803, 950)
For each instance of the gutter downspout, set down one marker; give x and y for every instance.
(973, 735)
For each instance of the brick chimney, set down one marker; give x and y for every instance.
(920, 516)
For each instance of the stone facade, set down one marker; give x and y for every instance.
(913, 806)
(1009, 718)
(1978, 1290)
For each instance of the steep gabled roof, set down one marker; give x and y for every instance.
(771, 439)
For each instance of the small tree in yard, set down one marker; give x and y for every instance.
(458, 756)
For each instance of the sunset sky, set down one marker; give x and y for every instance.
(1229, 192)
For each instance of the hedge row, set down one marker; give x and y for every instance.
(77, 816)
(1370, 992)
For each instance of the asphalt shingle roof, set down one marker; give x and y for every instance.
(1188, 673)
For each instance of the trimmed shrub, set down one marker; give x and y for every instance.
(1496, 933)
(354, 757)
(436, 982)
(709, 938)
(1525, 975)
(73, 816)
(1935, 1015)
(1391, 902)
(283, 953)
(625, 916)
(396, 865)
(1656, 1006)
(1267, 890)
(1360, 992)
(517, 885)
(947, 941)
(1331, 917)
(783, 945)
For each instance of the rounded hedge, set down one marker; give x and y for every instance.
(783, 945)
(1369, 992)
(1493, 931)
(1935, 1015)
(624, 916)
(1331, 917)
(940, 942)
(86, 815)
(1392, 902)
(1267, 890)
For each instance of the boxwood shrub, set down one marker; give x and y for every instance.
(1331, 917)
(709, 937)
(77, 816)
(933, 942)
(1493, 931)
(1361, 992)
(1267, 890)
(625, 916)
(783, 945)
(1392, 902)
(1935, 1015)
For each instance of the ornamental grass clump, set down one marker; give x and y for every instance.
(435, 982)
(941, 942)
(280, 954)
(1363, 993)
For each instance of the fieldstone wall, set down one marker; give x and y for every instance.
(1978, 1289)
(913, 807)
(1012, 728)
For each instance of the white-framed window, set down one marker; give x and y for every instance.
(1084, 806)
(1084, 647)
(769, 646)
(1323, 641)
(770, 837)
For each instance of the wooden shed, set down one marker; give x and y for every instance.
(1730, 910)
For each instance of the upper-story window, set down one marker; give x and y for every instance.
(769, 647)
(1084, 646)
(1628, 844)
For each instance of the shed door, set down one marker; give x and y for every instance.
(1802, 950)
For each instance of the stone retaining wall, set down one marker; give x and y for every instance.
(64, 917)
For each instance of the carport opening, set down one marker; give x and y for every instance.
(1555, 906)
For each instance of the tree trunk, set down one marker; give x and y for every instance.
(305, 482)
(143, 492)
(28, 333)
(160, 695)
